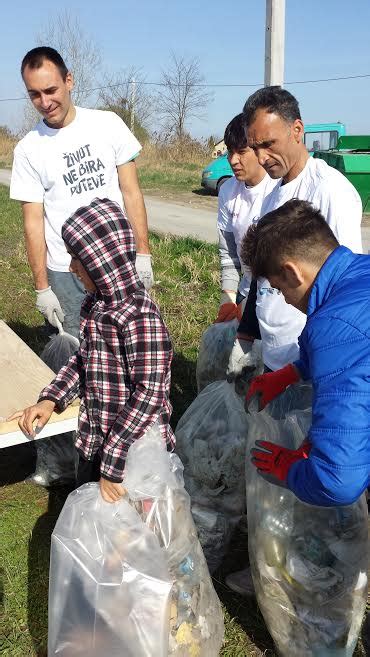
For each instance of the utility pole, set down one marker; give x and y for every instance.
(132, 103)
(274, 42)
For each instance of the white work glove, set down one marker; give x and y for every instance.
(144, 269)
(47, 304)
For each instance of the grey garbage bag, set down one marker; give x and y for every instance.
(214, 352)
(56, 457)
(130, 579)
(309, 564)
(211, 438)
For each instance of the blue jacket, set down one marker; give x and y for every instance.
(335, 355)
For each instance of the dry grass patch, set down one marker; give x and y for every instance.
(7, 143)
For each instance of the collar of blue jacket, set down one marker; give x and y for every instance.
(331, 271)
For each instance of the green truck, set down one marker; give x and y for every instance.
(351, 156)
(317, 136)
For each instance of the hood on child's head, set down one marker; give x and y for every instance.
(100, 236)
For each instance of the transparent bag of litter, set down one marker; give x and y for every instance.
(130, 579)
(214, 352)
(211, 438)
(56, 457)
(309, 563)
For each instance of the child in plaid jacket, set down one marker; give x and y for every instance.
(121, 371)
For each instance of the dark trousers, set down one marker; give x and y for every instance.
(88, 470)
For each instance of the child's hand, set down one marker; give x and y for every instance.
(110, 491)
(40, 412)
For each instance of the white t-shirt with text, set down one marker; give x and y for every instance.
(338, 201)
(67, 168)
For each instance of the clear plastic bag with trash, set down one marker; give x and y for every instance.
(214, 352)
(57, 457)
(309, 563)
(130, 578)
(211, 440)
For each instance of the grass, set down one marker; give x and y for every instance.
(7, 143)
(187, 281)
(173, 167)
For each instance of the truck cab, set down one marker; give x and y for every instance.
(317, 137)
(322, 136)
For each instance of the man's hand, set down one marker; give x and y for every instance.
(110, 491)
(270, 385)
(273, 461)
(144, 269)
(47, 303)
(40, 412)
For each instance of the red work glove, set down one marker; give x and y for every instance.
(273, 461)
(270, 385)
(227, 312)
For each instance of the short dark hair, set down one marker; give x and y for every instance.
(36, 57)
(235, 136)
(274, 100)
(295, 230)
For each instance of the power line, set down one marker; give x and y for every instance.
(210, 85)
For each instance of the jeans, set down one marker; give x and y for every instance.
(70, 293)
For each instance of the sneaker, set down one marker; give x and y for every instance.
(241, 582)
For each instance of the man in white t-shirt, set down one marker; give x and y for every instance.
(275, 133)
(239, 202)
(72, 156)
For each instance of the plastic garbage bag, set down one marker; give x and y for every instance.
(129, 579)
(59, 349)
(309, 564)
(211, 439)
(214, 352)
(56, 457)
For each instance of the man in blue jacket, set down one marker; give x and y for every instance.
(294, 248)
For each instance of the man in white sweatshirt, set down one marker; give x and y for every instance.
(275, 133)
(239, 203)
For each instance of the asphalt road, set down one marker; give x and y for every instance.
(166, 217)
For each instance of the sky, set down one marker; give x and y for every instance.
(324, 39)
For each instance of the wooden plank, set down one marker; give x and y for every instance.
(22, 373)
(16, 437)
(22, 377)
(69, 413)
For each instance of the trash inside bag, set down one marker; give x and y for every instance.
(214, 352)
(56, 457)
(210, 440)
(129, 578)
(59, 349)
(309, 563)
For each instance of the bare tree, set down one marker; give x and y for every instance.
(126, 93)
(182, 95)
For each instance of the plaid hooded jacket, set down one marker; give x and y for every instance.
(121, 371)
